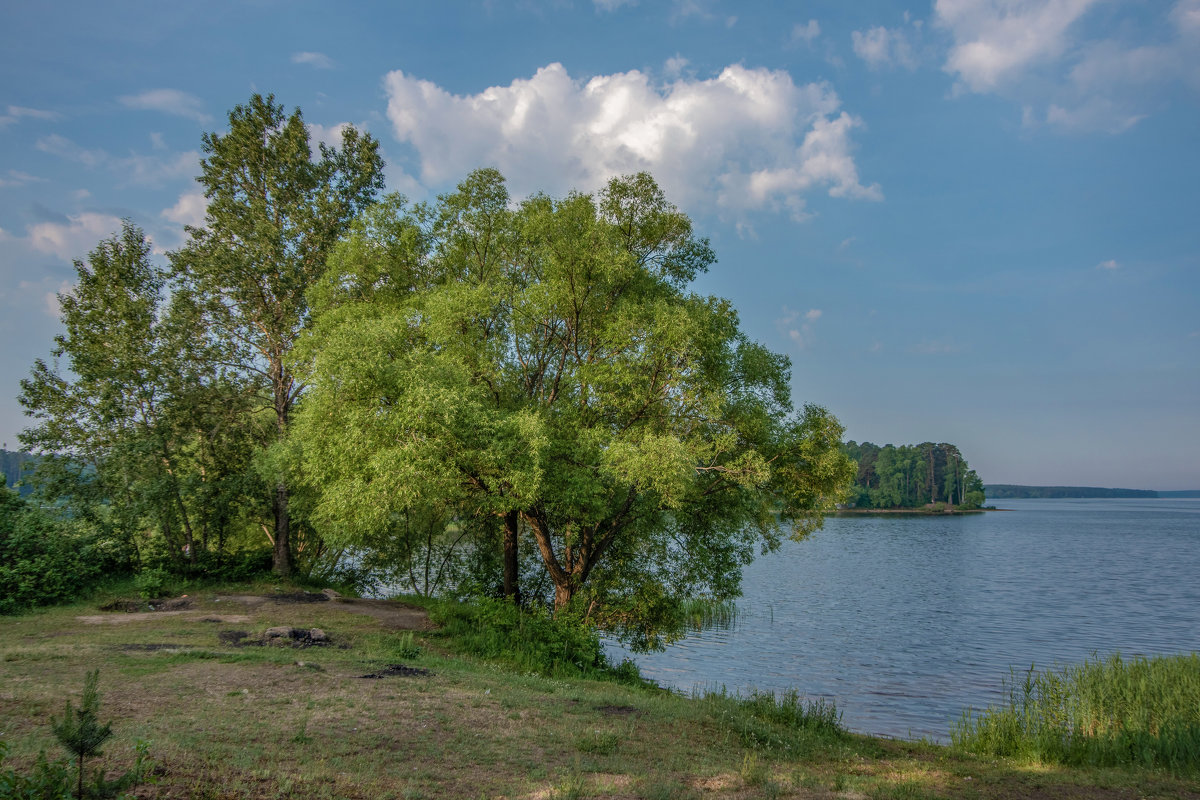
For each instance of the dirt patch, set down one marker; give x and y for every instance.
(617, 711)
(398, 671)
(122, 619)
(151, 648)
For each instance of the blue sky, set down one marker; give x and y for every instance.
(972, 221)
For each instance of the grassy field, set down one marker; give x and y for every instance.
(227, 718)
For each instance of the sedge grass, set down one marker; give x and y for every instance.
(1140, 712)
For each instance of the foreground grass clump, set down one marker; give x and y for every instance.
(1142, 712)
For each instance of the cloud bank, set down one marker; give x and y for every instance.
(748, 139)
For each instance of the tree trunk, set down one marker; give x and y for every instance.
(563, 592)
(281, 561)
(512, 577)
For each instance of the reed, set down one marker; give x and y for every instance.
(1104, 712)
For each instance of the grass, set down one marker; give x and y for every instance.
(1141, 712)
(271, 722)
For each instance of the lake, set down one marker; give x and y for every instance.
(906, 621)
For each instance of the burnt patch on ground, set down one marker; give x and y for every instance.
(300, 597)
(398, 671)
(158, 604)
(279, 636)
(617, 711)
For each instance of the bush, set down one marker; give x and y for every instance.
(43, 560)
(530, 640)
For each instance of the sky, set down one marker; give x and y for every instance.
(973, 221)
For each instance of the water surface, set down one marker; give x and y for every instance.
(905, 621)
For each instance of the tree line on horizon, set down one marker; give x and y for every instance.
(912, 476)
(514, 399)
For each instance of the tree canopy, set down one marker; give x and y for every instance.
(911, 476)
(544, 365)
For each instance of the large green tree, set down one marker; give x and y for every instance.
(132, 426)
(274, 213)
(548, 365)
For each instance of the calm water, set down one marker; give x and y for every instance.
(906, 621)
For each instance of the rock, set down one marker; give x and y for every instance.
(317, 635)
(331, 594)
(279, 632)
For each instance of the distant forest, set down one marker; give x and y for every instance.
(912, 476)
(10, 466)
(1005, 491)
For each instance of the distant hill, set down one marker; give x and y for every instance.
(1002, 491)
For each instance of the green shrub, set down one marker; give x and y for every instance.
(153, 583)
(1143, 712)
(43, 560)
(784, 722)
(530, 640)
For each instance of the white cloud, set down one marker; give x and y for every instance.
(1111, 264)
(994, 40)
(156, 170)
(18, 178)
(136, 169)
(157, 141)
(318, 60)
(4, 235)
(16, 113)
(74, 238)
(168, 101)
(746, 139)
(50, 302)
(190, 209)
(1052, 55)
(330, 135)
(612, 5)
(883, 47)
(63, 147)
(798, 326)
(674, 66)
(807, 32)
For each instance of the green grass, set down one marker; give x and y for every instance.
(269, 722)
(1141, 712)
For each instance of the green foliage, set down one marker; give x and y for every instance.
(44, 560)
(49, 780)
(406, 646)
(912, 476)
(153, 583)
(546, 365)
(1141, 712)
(527, 640)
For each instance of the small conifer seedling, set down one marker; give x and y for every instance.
(79, 730)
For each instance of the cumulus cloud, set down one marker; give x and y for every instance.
(1052, 55)
(318, 60)
(190, 209)
(168, 101)
(884, 47)
(747, 139)
(74, 238)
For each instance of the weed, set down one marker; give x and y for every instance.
(598, 742)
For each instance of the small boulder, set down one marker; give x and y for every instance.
(316, 635)
(279, 632)
(331, 594)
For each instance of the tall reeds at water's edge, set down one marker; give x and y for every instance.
(1140, 712)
